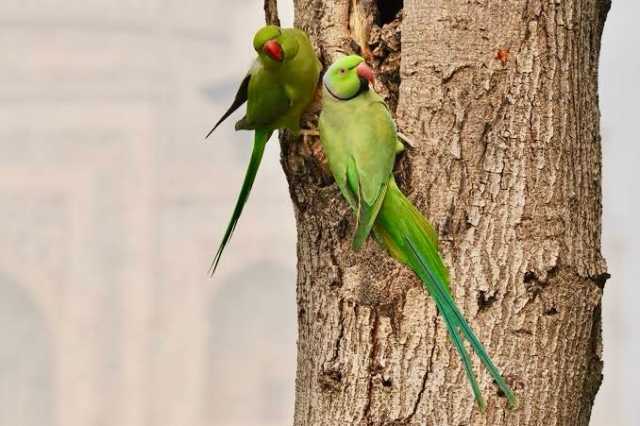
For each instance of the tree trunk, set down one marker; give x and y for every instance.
(500, 102)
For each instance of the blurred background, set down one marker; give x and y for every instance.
(111, 206)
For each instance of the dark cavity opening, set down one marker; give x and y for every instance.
(485, 300)
(388, 10)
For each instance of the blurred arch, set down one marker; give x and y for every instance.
(25, 359)
(251, 346)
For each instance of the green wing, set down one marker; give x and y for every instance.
(267, 101)
(359, 139)
(366, 212)
(241, 97)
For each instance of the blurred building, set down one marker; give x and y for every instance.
(111, 206)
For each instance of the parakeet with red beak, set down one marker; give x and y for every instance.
(360, 142)
(278, 87)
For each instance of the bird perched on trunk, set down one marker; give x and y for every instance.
(360, 141)
(278, 87)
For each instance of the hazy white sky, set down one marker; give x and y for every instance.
(618, 400)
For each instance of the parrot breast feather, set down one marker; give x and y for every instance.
(359, 139)
(267, 102)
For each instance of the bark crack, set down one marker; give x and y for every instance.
(373, 369)
(429, 368)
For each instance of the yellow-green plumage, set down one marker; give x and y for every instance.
(359, 139)
(280, 92)
(277, 91)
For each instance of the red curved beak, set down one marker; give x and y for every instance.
(365, 72)
(273, 49)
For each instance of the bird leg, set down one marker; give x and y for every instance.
(407, 141)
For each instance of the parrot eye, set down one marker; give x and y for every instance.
(342, 71)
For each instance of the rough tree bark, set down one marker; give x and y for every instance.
(500, 100)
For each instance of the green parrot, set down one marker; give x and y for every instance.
(279, 86)
(360, 141)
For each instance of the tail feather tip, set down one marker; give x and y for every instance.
(482, 404)
(513, 401)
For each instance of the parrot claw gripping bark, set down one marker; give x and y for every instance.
(278, 87)
(360, 142)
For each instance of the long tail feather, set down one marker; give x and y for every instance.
(455, 320)
(260, 141)
(468, 366)
(409, 237)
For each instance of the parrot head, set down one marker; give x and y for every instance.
(273, 46)
(347, 77)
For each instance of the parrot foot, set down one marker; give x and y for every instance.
(407, 141)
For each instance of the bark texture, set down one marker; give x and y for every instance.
(500, 100)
